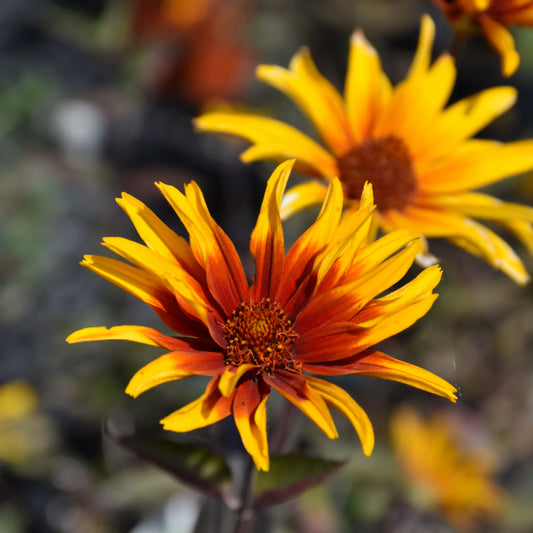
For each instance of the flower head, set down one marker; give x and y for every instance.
(419, 155)
(491, 17)
(319, 308)
(443, 474)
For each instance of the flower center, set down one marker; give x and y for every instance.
(387, 164)
(261, 334)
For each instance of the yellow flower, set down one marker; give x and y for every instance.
(319, 308)
(491, 17)
(420, 157)
(444, 475)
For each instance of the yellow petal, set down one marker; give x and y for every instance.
(315, 95)
(340, 400)
(271, 139)
(382, 366)
(231, 376)
(139, 334)
(461, 121)
(186, 289)
(476, 168)
(204, 411)
(363, 89)
(302, 196)
(422, 58)
(298, 392)
(249, 410)
(157, 235)
(161, 370)
(464, 232)
(136, 281)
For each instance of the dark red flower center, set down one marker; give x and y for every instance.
(262, 334)
(387, 164)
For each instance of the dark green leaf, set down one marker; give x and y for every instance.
(289, 476)
(193, 464)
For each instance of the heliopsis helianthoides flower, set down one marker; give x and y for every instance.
(491, 17)
(317, 309)
(418, 155)
(443, 474)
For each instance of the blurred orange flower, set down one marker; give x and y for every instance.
(319, 308)
(444, 475)
(205, 56)
(492, 17)
(419, 155)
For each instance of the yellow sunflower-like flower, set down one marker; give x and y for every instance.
(491, 17)
(317, 309)
(418, 155)
(444, 475)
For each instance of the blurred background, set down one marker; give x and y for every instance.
(96, 98)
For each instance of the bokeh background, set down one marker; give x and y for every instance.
(96, 98)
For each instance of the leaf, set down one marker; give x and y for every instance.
(193, 464)
(289, 476)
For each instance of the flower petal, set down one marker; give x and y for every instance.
(181, 363)
(139, 334)
(340, 400)
(459, 122)
(380, 365)
(267, 244)
(302, 196)
(249, 411)
(271, 139)
(315, 95)
(231, 376)
(464, 232)
(204, 411)
(210, 245)
(364, 92)
(502, 41)
(294, 388)
(187, 290)
(157, 235)
(476, 168)
(301, 258)
(148, 288)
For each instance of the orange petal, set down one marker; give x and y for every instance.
(266, 244)
(502, 41)
(231, 376)
(211, 246)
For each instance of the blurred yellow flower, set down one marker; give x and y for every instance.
(419, 155)
(318, 308)
(491, 17)
(18, 402)
(444, 475)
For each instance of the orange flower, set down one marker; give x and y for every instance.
(317, 309)
(492, 18)
(444, 475)
(419, 155)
